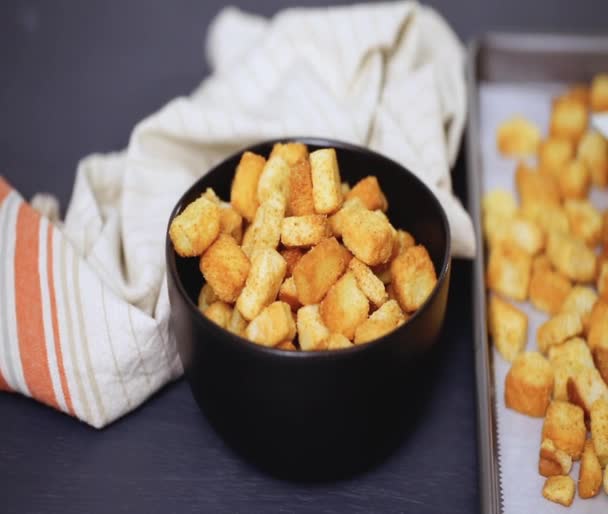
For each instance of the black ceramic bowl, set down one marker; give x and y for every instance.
(312, 413)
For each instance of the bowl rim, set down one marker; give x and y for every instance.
(247, 345)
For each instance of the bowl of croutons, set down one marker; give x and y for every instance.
(307, 280)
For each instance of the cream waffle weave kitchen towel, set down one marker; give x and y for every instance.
(83, 305)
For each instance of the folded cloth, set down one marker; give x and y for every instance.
(83, 305)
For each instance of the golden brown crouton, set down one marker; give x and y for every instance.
(300, 200)
(602, 279)
(206, 297)
(541, 263)
(500, 202)
(598, 312)
(291, 152)
(369, 283)
(593, 151)
(211, 195)
(529, 384)
(554, 154)
(336, 221)
(599, 429)
(263, 282)
(368, 235)
(548, 217)
(305, 230)
(344, 307)
(271, 326)
(585, 221)
(413, 277)
(548, 290)
(508, 327)
(509, 272)
(552, 460)
(559, 489)
(219, 312)
(574, 180)
(291, 256)
(338, 342)
(403, 241)
(289, 294)
(231, 222)
(558, 329)
(571, 257)
(599, 93)
(535, 187)
(585, 387)
(326, 186)
(265, 231)
(225, 267)
(237, 323)
(565, 426)
(581, 300)
(590, 473)
(567, 359)
(568, 119)
(286, 345)
(386, 319)
(244, 191)
(312, 332)
(520, 232)
(518, 137)
(274, 177)
(195, 228)
(319, 269)
(369, 192)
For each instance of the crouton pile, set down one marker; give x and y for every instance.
(551, 249)
(300, 261)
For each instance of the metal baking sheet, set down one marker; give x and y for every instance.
(515, 74)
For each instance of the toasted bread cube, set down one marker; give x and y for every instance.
(368, 235)
(369, 192)
(300, 200)
(219, 312)
(404, 240)
(206, 297)
(559, 489)
(541, 263)
(286, 345)
(602, 279)
(519, 232)
(495, 229)
(558, 329)
(509, 272)
(508, 327)
(305, 230)
(225, 267)
(598, 312)
(567, 360)
(386, 319)
(231, 222)
(244, 191)
(413, 277)
(274, 178)
(529, 384)
(237, 323)
(211, 195)
(326, 186)
(554, 154)
(574, 180)
(548, 217)
(312, 332)
(319, 269)
(195, 228)
(338, 342)
(345, 306)
(548, 290)
(369, 283)
(500, 202)
(590, 473)
(599, 93)
(585, 221)
(289, 294)
(535, 187)
(585, 387)
(336, 221)
(593, 151)
(552, 460)
(272, 326)
(266, 225)
(292, 256)
(518, 137)
(599, 429)
(571, 257)
(565, 426)
(291, 152)
(568, 119)
(263, 282)
(581, 300)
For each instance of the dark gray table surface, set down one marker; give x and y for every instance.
(74, 78)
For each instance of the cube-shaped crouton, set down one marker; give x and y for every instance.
(529, 384)
(289, 294)
(413, 277)
(307, 230)
(265, 231)
(585, 221)
(574, 180)
(403, 241)
(231, 222)
(291, 152)
(518, 137)
(599, 93)
(567, 360)
(509, 272)
(554, 154)
(344, 307)
(581, 300)
(336, 221)
(263, 282)
(386, 319)
(565, 426)
(338, 342)
(368, 235)
(211, 195)
(300, 200)
(369, 192)
(569, 119)
(602, 279)
(274, 177)
(541, 263)
(548, 290)
(571, 257)
(244, 191)
(369, 283)
(590, 473)
(508, 327)
(548, 217)
(206, 297)
(599, 429)
(237, 323)
(195, 228)
(326, 186)
(500, 202)
(292, 256)
(593, 151)
(312, 332)
(535, 187)
(585, 387)
(225, 267)
(558, 329)
(319, 269)
(517, 231)
(286, 345)
(495, 228)
(219, 312)
(559, 489)
(271, 326)
(552, 460)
